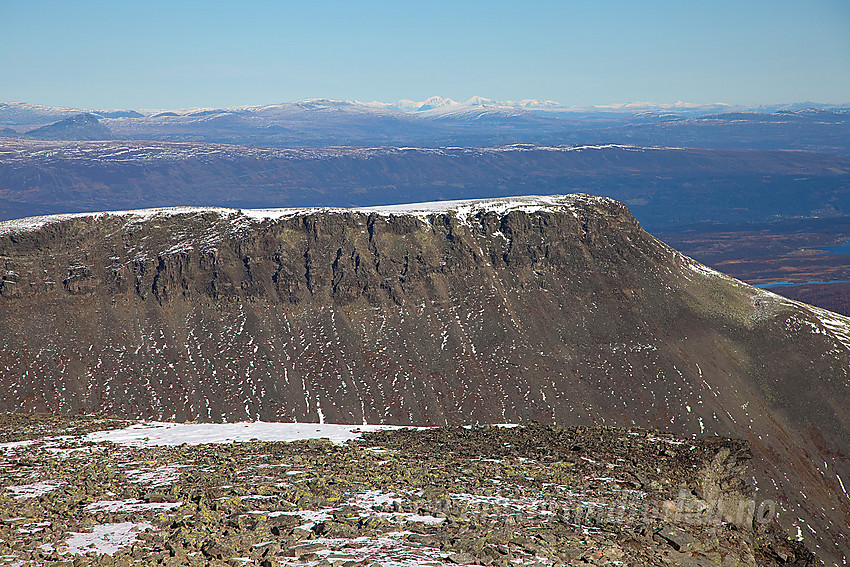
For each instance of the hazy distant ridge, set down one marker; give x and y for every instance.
(17, 113)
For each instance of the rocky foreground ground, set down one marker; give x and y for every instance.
(494, 496)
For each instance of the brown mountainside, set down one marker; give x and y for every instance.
(556, 309)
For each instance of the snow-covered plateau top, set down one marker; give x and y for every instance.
(461, 208)
(502, 205)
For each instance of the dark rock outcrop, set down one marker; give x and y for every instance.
(558, 309)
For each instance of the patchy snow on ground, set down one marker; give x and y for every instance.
(837, 325)
(105, 538)
(130, 505)
(369, 500)
(12, 445)
(162, 433)
(389, 550)
(34, 490)
(161, 476)
(310, 517)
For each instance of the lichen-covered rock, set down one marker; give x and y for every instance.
(485, 496)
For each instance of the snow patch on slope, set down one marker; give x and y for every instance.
(129, 506)
(836, 325)
(162, 433)
(36, 489)
(104, 539)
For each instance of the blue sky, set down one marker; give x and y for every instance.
(151, 54)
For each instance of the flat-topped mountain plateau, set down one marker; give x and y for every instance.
(558, 309)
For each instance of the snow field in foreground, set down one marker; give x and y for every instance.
(162, 433)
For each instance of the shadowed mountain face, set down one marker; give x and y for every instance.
(558, 309)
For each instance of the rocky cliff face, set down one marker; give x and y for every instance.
(557, 309)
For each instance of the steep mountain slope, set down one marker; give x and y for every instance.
(559, 309)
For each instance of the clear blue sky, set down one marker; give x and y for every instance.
(152, 54)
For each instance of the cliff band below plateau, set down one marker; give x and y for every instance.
(557, 309)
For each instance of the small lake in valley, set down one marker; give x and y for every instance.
(837, 249)
(792, 284)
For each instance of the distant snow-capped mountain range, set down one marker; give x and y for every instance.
(439, 121)
(438, 102)
(14, 113)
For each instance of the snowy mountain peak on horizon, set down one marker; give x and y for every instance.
(439, 105)
(678, 105)
(15, 113)
(408, 105)
(435, 102)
